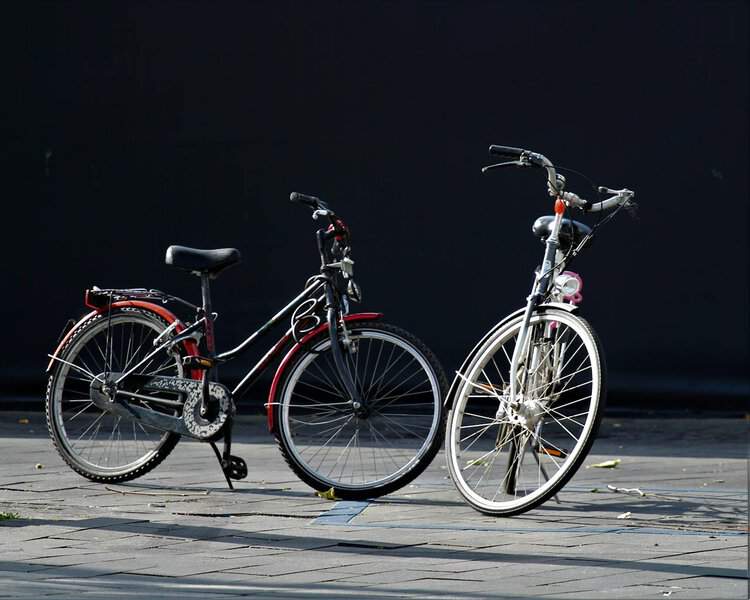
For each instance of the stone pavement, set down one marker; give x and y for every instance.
(179, 533)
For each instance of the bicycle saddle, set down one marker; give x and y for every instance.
(571, 232)
(199, 261)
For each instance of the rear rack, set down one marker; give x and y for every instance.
(96, 297)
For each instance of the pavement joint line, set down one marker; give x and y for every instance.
(342, 512)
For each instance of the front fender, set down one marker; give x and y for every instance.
(469, 357)
(190, 346)
(296, 348)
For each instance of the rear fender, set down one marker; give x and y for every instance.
(469, 357)
(191, 348)
(295, 349)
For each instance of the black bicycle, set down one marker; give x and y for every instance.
(355, 404)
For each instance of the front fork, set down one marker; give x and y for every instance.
(344, 373)
(538, 292)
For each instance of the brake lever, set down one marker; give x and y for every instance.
(322, 212)
(630, 206)
(511, 163)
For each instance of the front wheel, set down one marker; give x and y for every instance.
(507, 456)
(370, 452)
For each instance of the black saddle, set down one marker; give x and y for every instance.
(211, 262)
(571, 232)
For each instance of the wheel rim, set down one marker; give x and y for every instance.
(328, 440)
(99, 441)
(504, 458)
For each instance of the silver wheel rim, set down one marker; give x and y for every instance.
(482, 429)
(97, 440)
(325, 437)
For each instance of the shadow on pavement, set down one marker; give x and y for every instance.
(207, 532)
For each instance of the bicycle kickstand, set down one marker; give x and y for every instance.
(544, 472)
(233, 467)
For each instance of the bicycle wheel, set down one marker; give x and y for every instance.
(329, 445)
(95, 443)
(506, 459)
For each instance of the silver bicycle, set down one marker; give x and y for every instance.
(527, 401)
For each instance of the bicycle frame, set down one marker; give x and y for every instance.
(319, 293)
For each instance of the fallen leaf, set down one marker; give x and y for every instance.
(9, 516)
(625, 515)
(328, 495)
(38, 466)
(595, 491)
(23, 421)
(476, 463)
(607, 464)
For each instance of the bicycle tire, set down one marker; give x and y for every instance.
(386, 436)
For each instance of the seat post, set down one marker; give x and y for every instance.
(207, 313)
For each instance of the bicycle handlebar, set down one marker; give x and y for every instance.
(337, 227)
(622, 196)
(311, 201)
(506, 151)
(530, 159)
(555, 184)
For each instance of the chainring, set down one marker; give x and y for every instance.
(220, 405)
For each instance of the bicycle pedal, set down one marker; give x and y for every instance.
(198, 362)
(235, 468)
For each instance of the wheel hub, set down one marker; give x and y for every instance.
(360, 410)
(525, 412)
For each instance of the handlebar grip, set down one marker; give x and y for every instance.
(507, 151)
(310, 201)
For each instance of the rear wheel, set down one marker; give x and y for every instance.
(506, 458)
(95, 443)
(362, 454)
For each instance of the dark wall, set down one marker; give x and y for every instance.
(132, 127)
